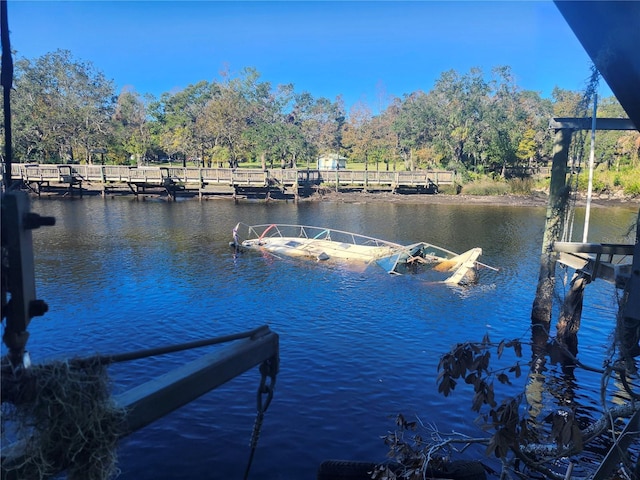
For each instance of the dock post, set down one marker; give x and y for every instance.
(629, 333)
(556, 209)
(103, 179)
(366, 176)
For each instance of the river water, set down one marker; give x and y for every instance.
(357, 348)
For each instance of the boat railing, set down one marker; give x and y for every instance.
(247, 232)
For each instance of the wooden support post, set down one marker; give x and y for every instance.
(630, 334)
(103, 179)
(556, 209)
(366, 178)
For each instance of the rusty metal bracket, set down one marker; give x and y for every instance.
(19, 302)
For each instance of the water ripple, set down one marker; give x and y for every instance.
(357, 347)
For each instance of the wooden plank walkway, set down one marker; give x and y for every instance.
(72, 179)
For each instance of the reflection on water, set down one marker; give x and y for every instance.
(356, 347)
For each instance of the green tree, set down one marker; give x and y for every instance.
(527, 147)
(270, 124)
(416, 124)
(614, 148)
(460, 112)
(131, 132)
(321, 122)
(62, 108)
(566, 103)
(537, 113)
(223, 123)
(506, 120)
(358, 133)
(176, 118)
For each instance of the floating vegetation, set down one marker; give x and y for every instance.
(60, 416)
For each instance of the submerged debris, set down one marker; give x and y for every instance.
(60, 416)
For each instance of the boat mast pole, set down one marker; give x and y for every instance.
(591, 161)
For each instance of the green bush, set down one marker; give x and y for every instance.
(521, 186)
(600, 183)
(486, 187)
(617, 181)
(632, 189)
(449, 189)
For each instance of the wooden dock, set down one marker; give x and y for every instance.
(238, 182)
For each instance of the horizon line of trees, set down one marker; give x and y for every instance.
(65, 110)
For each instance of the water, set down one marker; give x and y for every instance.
(357, 348)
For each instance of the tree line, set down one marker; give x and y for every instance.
(65, 111)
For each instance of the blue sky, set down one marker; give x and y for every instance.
(359, 50)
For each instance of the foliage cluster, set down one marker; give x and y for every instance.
(608, 180)
(65, 110)
(486, 186)
(526, 435)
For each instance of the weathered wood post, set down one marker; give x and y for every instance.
(366, 174)
(556, 209)
(630, 314)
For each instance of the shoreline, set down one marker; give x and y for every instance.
(539, 199)
(535, 199)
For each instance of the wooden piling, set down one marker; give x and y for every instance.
(556, 210)
(629, 330)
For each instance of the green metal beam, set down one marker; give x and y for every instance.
(585, 123)
(158, 397)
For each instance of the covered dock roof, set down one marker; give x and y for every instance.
(610, 34)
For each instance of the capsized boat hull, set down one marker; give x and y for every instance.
(323, 244)
(318, 249)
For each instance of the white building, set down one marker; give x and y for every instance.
(331, 161)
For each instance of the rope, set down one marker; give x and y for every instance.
(578, 151)
(268, 370)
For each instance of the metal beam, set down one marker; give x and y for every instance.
(152, 400)
(598, 248)
(577, 256)
(585, 123)
(612, 460)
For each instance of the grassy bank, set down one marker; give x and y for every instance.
(621, 183)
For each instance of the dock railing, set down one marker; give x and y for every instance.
(199, 178)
